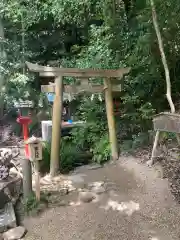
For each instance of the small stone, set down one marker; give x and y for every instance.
(96, 184)
(63, 191)
(94, 167)
(62, 203)
(86, 197)
(15, 233)
(57, 178)
(82, 189)
(71, 189)
(98, 190)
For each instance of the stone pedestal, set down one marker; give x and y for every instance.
(46, 127)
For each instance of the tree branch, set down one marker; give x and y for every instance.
(163, 57)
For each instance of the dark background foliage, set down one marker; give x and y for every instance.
(98, 34)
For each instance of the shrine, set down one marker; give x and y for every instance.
(110, 84)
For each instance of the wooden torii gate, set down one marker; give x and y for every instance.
(83, 75)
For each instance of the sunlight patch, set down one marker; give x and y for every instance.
(127, 207)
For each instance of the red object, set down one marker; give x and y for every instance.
(25, 121)
(117, 104)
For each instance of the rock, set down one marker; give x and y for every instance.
(110, 186)
(63, 191)
(94, 167)
(5, 156)
(158, 171)
(77, 178)
(4, 172)
(15, 233)
(86, 197)
(58, 203)
(4, 199)
(96, 184)
(7, 217)
(98, 189)
(12, 188)
(71, 189)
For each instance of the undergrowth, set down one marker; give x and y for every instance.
(34, 207)
(85, 144)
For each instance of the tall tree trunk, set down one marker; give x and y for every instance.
(2, 51)
(163, 57)
(2, 58)
(167, 75)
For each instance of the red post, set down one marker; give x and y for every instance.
(25, 121)
(26, 164)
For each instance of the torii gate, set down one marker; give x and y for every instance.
(83, 75)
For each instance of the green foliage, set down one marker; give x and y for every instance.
(93, 136)
(90, 140)
(30, 204)
(71, 155)
(94, 34)
(137, 142)
(93, 113)
(33, 207)
(101, 150)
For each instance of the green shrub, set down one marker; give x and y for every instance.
(90, 140)
(101, 150)
(71, 156)
(34, 207)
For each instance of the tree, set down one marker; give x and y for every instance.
(2, 70)
(103, 34)
(167, 76)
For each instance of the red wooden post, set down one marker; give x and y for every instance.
(25, 121)
(26, 164)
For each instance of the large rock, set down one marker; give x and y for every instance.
(14, 234)
(10, 190)
(7, 217)
(86, 197)
(4, 199)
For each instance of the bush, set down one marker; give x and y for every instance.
(71, 156)
(85, 143)
(101, 151)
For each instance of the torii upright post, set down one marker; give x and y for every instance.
(110, 119)
(56, 126)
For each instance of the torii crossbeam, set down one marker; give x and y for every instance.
(82, 75)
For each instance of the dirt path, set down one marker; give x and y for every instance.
(136, 205)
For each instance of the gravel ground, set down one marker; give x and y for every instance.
(149, 213)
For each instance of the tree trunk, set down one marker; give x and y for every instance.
(167, 75)
(2, 58)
